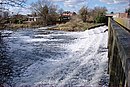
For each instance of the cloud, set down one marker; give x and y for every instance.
(20, 10)
(114, 1)
(72, 3)
(58, 0)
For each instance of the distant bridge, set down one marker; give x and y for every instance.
(119, 53)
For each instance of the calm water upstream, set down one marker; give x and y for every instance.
(39, 56)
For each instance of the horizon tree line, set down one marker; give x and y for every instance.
(49, 13)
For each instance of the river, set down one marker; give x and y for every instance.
(34, 57)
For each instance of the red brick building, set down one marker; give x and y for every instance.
(66, 16)
(123, 15)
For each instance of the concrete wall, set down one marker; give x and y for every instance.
(119, 55)
(123, 21)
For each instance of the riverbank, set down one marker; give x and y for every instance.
(77, 27)
(69, 26)
(18, 26)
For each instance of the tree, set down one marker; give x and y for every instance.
(83, 12)
(13, 2)
(4, 9)
(112, 12)
(53, 15)
(128, 11)
(98, 11)
(46, 10)
(44, 14)
(99, 14)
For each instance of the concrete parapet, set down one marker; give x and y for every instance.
(123, 21)
(119, 55)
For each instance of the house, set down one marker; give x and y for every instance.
(118, 15)
(66, 16)
(123, 15)
(32, 18)
(121, 18)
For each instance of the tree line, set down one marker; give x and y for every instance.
(49, 13)
(96, 15)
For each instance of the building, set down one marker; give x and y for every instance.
(66, 16)
(123, 15)
(32, 18)
(119, 15)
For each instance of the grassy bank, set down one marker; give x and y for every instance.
(16, 26)
(75, 26)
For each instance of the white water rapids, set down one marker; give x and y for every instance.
(45, 58)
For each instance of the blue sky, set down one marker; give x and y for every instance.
(74, 5)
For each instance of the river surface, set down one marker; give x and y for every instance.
(46, 58)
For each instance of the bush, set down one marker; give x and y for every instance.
(37, 23)
(100, 19)
(75, 24)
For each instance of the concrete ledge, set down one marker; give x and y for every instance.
(119, 55)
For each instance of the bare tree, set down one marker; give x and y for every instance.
(5, 4)
(100, 10)
(83, 12)
(46, 10)
(4, 9)
(13, 2)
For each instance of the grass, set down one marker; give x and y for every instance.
(16, 26)
(75, 24)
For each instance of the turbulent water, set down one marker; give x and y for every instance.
(46, 58)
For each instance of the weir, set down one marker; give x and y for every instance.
(118, 54)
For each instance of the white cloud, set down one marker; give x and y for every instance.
(58, 0)
(114, 1)
(20, 10)
(72, 3)
(2, 1)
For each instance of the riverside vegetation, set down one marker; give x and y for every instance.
(85, 19)
(49, 14)
(75, 24)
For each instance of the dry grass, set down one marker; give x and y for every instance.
(19, 26)
(75, 24)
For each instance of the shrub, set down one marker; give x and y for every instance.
(100, 19)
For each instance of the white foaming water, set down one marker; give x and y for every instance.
(82, 60)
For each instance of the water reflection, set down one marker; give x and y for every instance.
(5, 63)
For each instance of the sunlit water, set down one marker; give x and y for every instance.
(53, 58)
